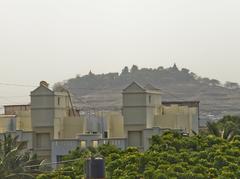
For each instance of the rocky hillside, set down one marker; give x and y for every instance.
(103, 91)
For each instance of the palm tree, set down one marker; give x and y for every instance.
(225, 131)
(14, 159)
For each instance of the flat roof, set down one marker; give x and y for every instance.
(6, 116)
(180, 102)
(183, 103)
(16, 105)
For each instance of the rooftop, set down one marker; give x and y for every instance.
(182, 103)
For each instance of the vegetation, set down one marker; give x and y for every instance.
(104, 90)
(14, 159)
(226, 128)
(171, 155)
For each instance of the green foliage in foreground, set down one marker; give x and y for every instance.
(226, 128)
(15, 159)
(212, 155)
(170, 156)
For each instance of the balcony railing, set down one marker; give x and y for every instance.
(118, 142)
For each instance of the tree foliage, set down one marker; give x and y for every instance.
(15, 159)
(226, 128)
(170, 156)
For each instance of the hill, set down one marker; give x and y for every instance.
(103, 91)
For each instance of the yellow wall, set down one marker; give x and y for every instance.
(68, 127)
(20, 121)
(7, 123)
(58, 128)
(177, 117)
(73, 126)
(172, 117)
(13, 109)
(115, 125)
(24, 121)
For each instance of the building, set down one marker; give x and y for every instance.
(13, 109)
(49, 112)
(51, 126)
(146, 115)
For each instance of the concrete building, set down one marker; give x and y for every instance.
(12, 109)
(51, 126)
(7, 123)
(146, 115)
(22, 117)
(49, 112)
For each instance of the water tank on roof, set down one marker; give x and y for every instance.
(95, 168)
(44, 83)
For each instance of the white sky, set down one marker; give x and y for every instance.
(54, 40)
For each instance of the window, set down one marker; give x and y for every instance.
(105, 135)
(43, 141)
(163, 112)
(59, 100)
(150, 99)
(95, 144)
(60, 158)
(83, 144)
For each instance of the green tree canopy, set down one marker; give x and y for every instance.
(15, 159)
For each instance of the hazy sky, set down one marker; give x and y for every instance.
(54, 40)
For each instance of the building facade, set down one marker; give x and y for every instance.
(146, 115)
(52, 127)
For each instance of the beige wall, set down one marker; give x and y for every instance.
(61, 104)
(20, 121)
(58, 128)
(68, 127)
(42, 107)
(177, 117)
(73, 126)
(24, 121)
(22, 118)
(115, 125)
(135, 116)
(141, 99)
(134, 99)
(7, 123)
(12, 109)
